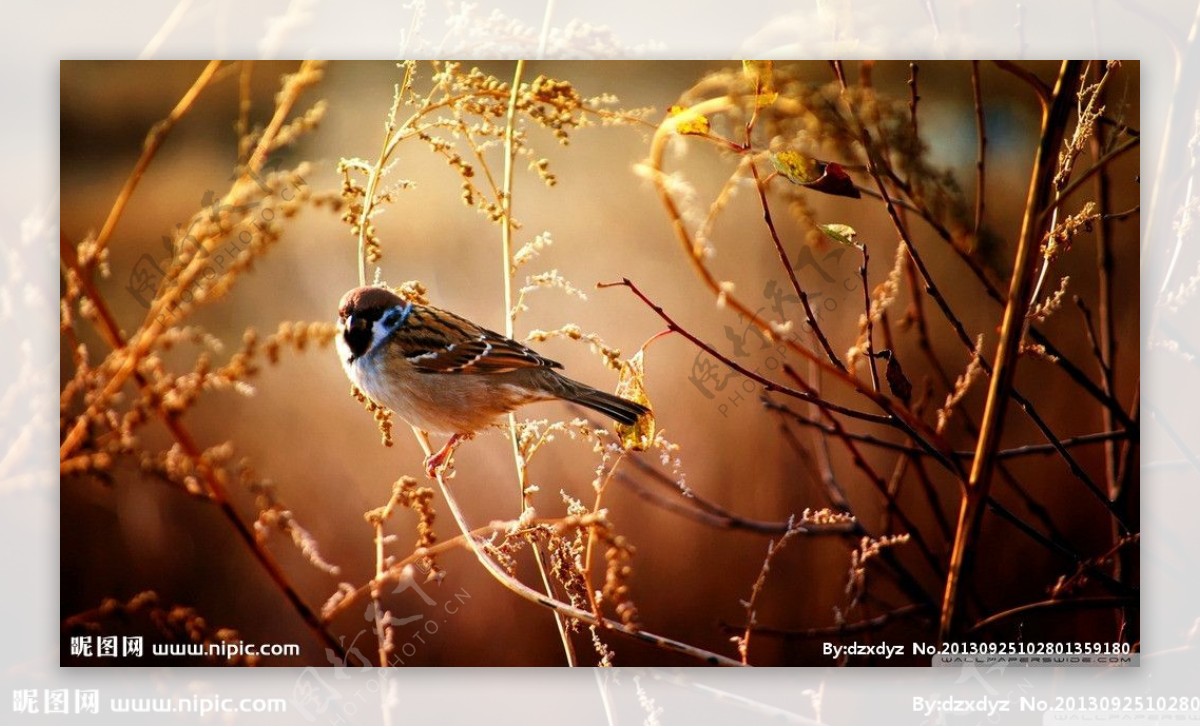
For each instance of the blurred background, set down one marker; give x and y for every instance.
(304, 432)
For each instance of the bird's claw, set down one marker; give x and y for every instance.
(439, 463)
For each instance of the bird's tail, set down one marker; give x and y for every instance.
(622, 410)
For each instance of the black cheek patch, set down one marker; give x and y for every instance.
(358, 340)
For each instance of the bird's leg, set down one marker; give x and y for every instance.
(440, 460)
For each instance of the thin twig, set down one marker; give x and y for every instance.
(563, 609)
(1074, 604)
(862, 271)
(1010, 453)
(913, 98)
(981, 154)
(773, 548)
(1038, 85)
(154, 140)
(791, 273)
(828, 632)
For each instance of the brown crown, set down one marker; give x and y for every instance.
(368, 301)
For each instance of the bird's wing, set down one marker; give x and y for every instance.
(438, 341)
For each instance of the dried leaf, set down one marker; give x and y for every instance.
(898, 383)
(826, 177)
(843, 234)
(835, 181)
(761, 75)
(640, 435)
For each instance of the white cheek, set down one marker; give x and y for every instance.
(344, 354)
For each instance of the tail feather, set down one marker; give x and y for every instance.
(623, 410)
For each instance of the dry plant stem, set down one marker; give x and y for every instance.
(895, 418)
(897, 414)
(591, 538)
(1072, 604)
(791, 272)
(889, 500)
(563, 609)
(1054, 124)
(150, 147)
(1039, 87)
(129, 355)
(506, 230)
(743, 646)
(825, 632)
(960, 330)
(707, 513)
(862, 271)
(981, 156)
(111, 334)
(376, 173)
(1128, 469)
(839, 72)
(383, 632)
(913, 98)
(242, 128)
(833, 488)
(394, 572)
(1106, 352)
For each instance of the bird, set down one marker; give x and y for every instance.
(443, 374)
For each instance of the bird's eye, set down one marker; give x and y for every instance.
(396, 316)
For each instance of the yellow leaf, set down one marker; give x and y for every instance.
(638, 436)
(689, 122)
(798, 169)
(761, 75)
(845, 234)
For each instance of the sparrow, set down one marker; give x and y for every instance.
(443, 374)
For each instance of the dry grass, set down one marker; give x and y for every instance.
(862, 421)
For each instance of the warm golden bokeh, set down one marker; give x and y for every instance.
(125, 531)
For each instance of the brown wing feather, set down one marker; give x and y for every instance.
(441, 342)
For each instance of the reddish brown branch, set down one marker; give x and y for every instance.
(111, 334)
(981, 155)
(1012, 330)
(791, 273)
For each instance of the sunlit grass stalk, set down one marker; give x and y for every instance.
(506, 231)
(562, 610)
